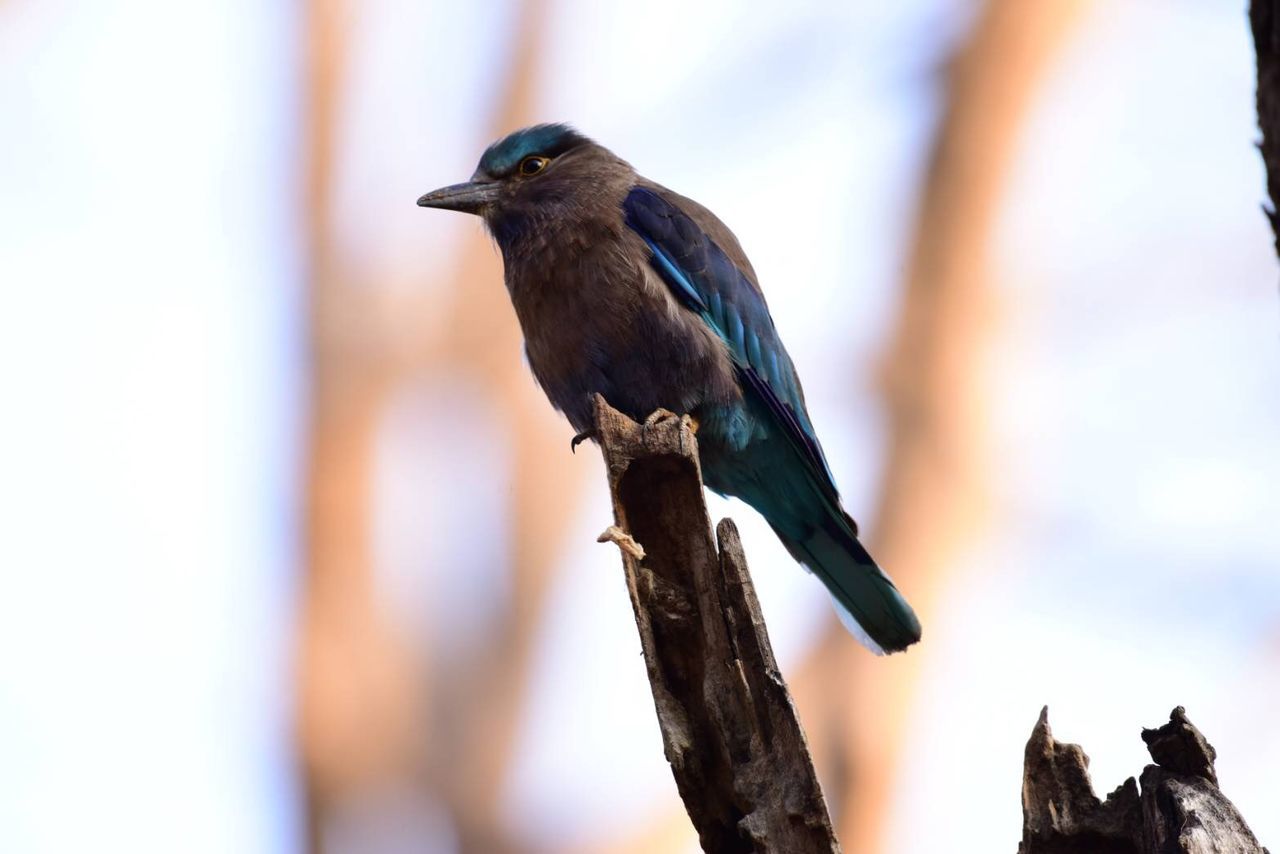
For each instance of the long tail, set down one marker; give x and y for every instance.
(869, 604)
(786, 480)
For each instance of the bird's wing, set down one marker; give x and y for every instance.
(691, 259)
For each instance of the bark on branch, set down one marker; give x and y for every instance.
(1180, 809)
(1264, 19)
(729, 728)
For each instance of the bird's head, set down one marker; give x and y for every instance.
(527, 173)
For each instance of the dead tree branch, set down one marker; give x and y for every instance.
(1264, 18)
(729, 728)
(1180, 809)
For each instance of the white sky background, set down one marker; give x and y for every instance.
(149, 364)
(149, 373)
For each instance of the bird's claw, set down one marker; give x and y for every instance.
(579, 439)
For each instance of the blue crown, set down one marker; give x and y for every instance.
(550, 140)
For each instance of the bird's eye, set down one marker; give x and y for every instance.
(533, 165)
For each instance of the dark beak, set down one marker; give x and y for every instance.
(471, 197)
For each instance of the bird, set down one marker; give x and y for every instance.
(629, 290)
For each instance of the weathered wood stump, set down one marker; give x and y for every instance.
(729, 728)
(1179, 810)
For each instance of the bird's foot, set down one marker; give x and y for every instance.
(662, 416)
(658, 416)
(579, 439)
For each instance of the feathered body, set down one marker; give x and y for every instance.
(627, 289)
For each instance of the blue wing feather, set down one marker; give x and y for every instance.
(705, 280)
(782, 471)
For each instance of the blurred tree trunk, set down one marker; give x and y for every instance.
(1264, 18)
(485, 701)
(357, 680)
(364, 698)
(667, 829)
(933, 502)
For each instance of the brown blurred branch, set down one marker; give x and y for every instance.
(1180, 809)
(368, 719)
(1264, 16)
(933, 502)
(666, 829)
(481, 711)
(357, 694)
(729, 727)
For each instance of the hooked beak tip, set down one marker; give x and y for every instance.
(471, 197)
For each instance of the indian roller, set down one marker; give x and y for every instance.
(627, 289)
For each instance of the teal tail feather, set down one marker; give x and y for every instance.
(867, 601)
(744, 453)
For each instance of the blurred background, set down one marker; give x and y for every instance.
(294, 556)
